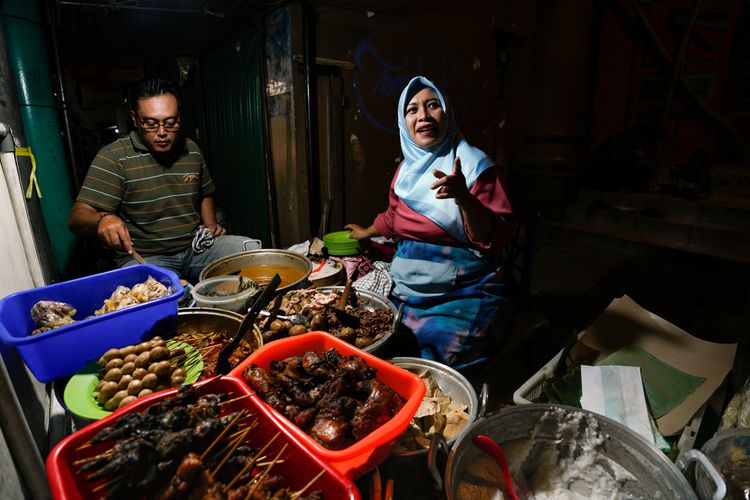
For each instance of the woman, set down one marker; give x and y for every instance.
(449, 211)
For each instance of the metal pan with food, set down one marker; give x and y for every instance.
(364, 319)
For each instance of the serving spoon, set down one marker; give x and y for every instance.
(496, 452)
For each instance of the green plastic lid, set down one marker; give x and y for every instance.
(340, 244)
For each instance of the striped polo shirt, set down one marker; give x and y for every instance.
(160, 203)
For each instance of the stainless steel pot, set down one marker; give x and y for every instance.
(372, 301)
(266, 257)
(416, 472)
(200, 319)
(654, 475)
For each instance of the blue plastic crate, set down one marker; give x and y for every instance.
(63, 351)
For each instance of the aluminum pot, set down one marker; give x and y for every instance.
(233, 264)
(372, 301)
(411, 470)
(200, 319)
(653, 474)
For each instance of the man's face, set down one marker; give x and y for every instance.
(157, 119)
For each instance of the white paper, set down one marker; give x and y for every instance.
(617, 392)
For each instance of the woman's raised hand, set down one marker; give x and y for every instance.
(451, 185)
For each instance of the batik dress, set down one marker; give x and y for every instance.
(451, 290)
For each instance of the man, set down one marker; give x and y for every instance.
(151, 193)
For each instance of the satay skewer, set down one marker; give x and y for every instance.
(108, 483)
(301, 492)
(218, 438)
(107, 453)
(259, 478)
(251, 463)
(236, 442)
(235, 399)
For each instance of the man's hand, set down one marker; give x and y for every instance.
(215, 229)
(451, 185)
(112, 231)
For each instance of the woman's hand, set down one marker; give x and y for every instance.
(451, 185)
(360, 233)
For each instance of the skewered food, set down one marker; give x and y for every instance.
(186, 446)
(210, 343)
(335, 399)
(138, 370)
(437, 413)
(354, 323)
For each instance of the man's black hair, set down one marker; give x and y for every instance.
(153, 87)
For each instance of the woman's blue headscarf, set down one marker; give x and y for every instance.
(415, 176)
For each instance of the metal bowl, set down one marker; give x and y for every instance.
(654, 475)
(233, 264)
(200, 319)
(451, 383)
(371, 301)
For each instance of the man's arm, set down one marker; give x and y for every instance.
(85, 220)
(208, 216)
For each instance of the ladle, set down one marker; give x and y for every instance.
(494, 450)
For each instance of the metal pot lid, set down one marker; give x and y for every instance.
(572, 450)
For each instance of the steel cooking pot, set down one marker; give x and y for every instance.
(649, 473)
(266, 259)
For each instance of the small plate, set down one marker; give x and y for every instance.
(80, 397)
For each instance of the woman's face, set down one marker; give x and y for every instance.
(425, 118)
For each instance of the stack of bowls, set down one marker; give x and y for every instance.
(340, 244)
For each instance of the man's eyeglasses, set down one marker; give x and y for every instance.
(151, 125)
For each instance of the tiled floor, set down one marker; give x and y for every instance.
(577, 275)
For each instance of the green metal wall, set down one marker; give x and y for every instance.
(30, 64)
(222, 103)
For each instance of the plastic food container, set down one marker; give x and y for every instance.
(63, 351)
(370, 451)
(729, 449)
(299, 467)
(221, 292)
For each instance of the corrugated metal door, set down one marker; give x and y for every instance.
(223, 113)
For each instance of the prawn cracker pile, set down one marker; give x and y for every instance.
(335, 399)
(135, 371)
(354, 323)
(185, 446)
(437, 413)
(50, 314)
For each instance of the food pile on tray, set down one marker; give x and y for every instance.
(322, 310)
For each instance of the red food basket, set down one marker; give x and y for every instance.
(298, 468)
(367, 453)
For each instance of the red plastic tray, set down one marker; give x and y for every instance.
(299, 467)
(366, 454)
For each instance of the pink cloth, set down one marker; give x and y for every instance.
(401, 221)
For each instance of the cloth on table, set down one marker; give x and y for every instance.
(377, 281)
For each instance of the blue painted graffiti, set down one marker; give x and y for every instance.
(377, 77)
